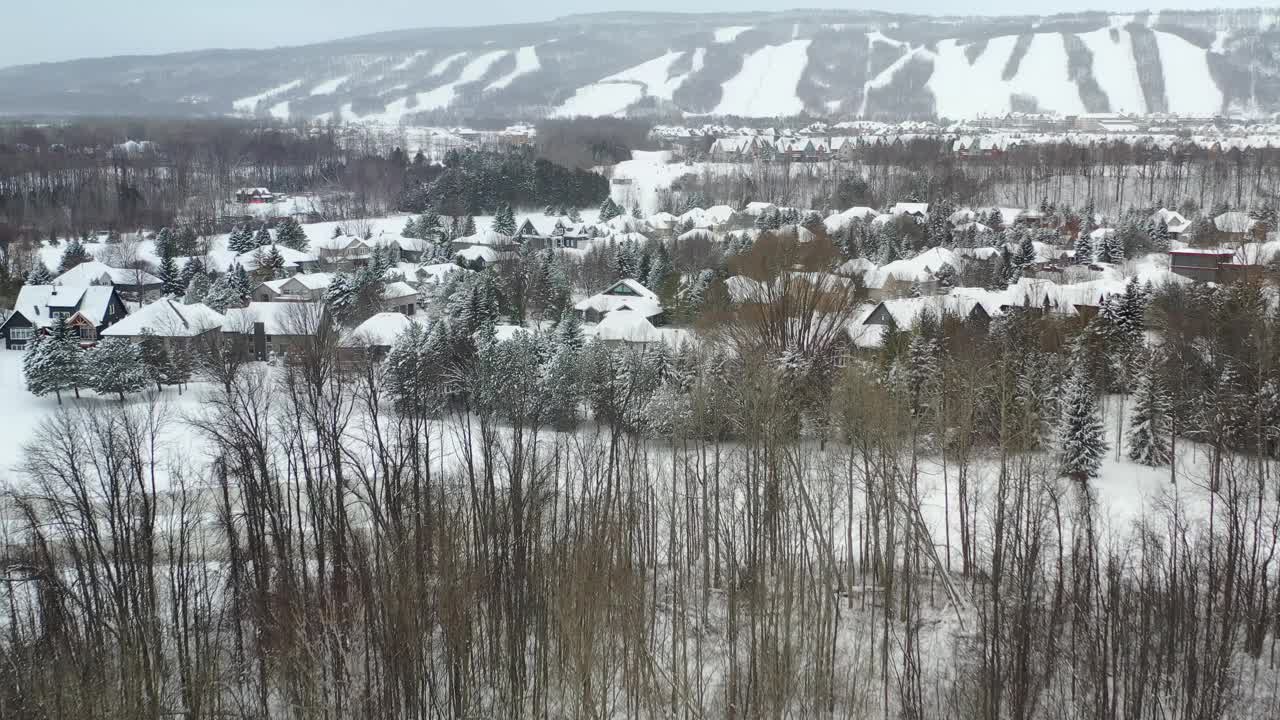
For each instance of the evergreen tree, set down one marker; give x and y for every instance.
(39, 275)
(635, 211)
(609, 210)
(262, 237)
(220, 295)
(1149, 424)
(1081, 441)
(171, 277)
(1026, 252)
(504, 222)
(156, 364)
(468, 227)
(40, 375)
(575, 217)
(182, 363)
(270, 264)
(1160, 236)
(166, 245)
(1083, 248)
(659, 270)
(114, 367)
(946, 277)
(1089, 222)
(72, 255)
(52, 362)
(291, 235)
(188, 242)
(410, 228)
(241, 241)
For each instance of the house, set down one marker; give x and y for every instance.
(625, 293)
(626, 327)
(170, 320)
(479, 257)
(254, 196)
(375, 336)
(1173, 220)
(424, 276)
(87, 310)
(917, 210)
(545, 234)
(1235, 225)
(412, 250)
(342, 251)
(303, 287)
(295, 260)
(400, 297)
(904, 313)
(1200, 265)
(132, 282)
(276, 328)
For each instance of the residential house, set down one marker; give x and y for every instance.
(545, 233)
(625, 327)
(400, 297)
(344, 251)
(905, 313)
(920, 211)
(87, 310)
(276, 328)
(294, 260)
(170, 320)
(134, 283)
(1233, 226)
(303, 287)
(1173, 220)
(1201, 265)
(375, 336)
(625, 293)
(254, 196)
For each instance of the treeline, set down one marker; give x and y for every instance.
(477, 182)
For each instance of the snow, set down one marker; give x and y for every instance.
(1220, 42)
(729, 34)
(380, 330)
(526, 62)
(766, 85)
(409, 61)
(962, 90)
(168, 318)
(837, 222)
(1115, 70)
(1189, 87)
(600, 99)
(440, 97)
(249, 104)
(440, 67)
(917, 269)
(329, 87)
(654, 75)
(280, 111)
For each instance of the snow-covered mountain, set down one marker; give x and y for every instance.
(824, 63)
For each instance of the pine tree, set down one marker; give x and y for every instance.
(72, 255)
(262, 237)
(575, 217)
(241, 241)
(410, 228)
(504, 222)
(946, 276)
(1149, 423)
(609, 210)
(1083, 248)
(635, 211)
(182, 363)
(241, 282)
(468, 227)
(39, 275)
(114, 367)
(165, 243)
(1026, 255)
(1081, 441)
(291, 235)
(1089, 222)
(270, 264)
(171, 277)
(659, 270)
(156, 364)
(1160, 236)
(37, 369)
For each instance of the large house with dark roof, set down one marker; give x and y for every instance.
(88, 311)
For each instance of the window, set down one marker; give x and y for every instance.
(622, 289)
(88, 333)
(21, 333)
(59, 315)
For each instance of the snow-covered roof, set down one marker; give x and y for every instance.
(906, 312)
(837, 222)
(964, 215)
(488, 238)
(909, 208)
(311, 281)
(1172, 219)
(1233, 222)
(397, 289)
(977, 227)
(97, 273)
(342, 243)
(381, 330)
(478, 252)
(277, 318)
(167, 318)
(662, 220)
(629, 326)
(91, 301)
(434, 273)
(1102, 233)
(917, 269)
(625, 293)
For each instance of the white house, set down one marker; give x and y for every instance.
(625, 293)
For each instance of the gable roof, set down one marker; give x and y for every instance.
(98, 273)
(277, 318)
(167, 318)
(91, 301)
(380, 330)
(1233, 222)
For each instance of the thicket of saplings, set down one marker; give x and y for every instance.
(541, 526)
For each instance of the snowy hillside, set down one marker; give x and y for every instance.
(825, 63)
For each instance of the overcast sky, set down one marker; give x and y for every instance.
(48, 30)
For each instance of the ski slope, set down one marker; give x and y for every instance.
(526, 62)
(1188, 85)
(600, 99)
(440, 67)
(727, 35)
(1115, 71)
(766, 85)
(329, 87)
(654, 75)
(249, 104)
(961, 90)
